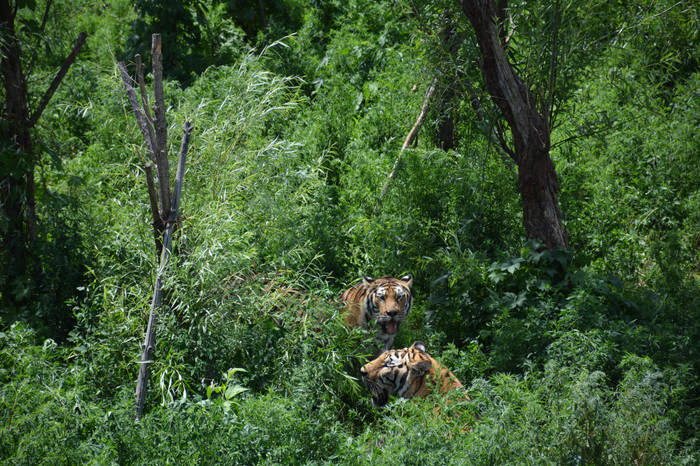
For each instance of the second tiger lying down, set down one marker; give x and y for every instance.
(407, 373)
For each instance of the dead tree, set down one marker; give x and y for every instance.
(155, 133)
(149, 346)
(164, 206)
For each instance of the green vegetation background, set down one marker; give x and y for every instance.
(589, 356)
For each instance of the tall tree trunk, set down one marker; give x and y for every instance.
(537, 179)
(14, 170)
(17, 199)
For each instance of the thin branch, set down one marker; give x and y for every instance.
(184, 147)
(421, 117)
(144, 101)
(158, 223)
(500, 131)
(552, 66)
(57, 80)
(497, 125)
(38, 39)
(501, 14)
(138, 112)
(411, 135)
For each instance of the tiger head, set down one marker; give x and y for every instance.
(406, 373)
(388, 301)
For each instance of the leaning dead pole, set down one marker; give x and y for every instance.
(164, 206)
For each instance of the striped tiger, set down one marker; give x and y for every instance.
(386, 301)
(407, 373)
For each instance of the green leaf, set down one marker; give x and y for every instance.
(233, 391)
(513, 267)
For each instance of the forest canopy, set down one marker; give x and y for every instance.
(534, 165)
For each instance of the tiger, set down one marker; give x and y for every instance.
(386, 300)
(407, 373)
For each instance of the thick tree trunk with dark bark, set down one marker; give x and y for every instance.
(14, 135)
(17, 197)
(537, 179)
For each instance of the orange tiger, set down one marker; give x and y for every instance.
(407, 373)
(386, 300)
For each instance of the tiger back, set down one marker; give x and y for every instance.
(407, 373)
(386, 301)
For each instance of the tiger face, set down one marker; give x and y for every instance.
(385, 301)
(406, 373)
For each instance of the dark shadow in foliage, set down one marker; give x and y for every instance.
(517, 307)
(199, 34)
(64, 260)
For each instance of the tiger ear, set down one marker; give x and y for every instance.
(420, 346)
(421, 367)
(408, 280)
(367, 281)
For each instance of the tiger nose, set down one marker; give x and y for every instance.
(363, 371)
(392, 314)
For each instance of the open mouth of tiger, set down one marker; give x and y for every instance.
(390, 327)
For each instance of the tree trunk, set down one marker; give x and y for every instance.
(14, 170)
(537, 179)
(17, 185)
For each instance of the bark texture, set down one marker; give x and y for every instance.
(16, 140)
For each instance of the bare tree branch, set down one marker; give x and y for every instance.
(411, 135)
(500, 135)
(144, 101)
(138, 112)
(179, 176)
(158, 223)
(57, 80)
(161, 127)
(149, 346)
